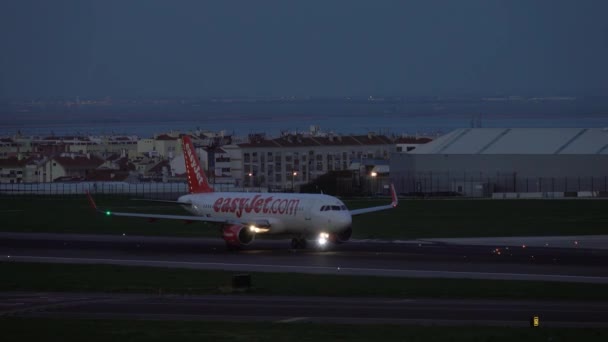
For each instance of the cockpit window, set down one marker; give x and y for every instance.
(333, 208)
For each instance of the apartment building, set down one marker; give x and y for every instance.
(286, 162)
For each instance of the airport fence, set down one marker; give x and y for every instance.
(170, 190)
(500, 184)
(420, 184)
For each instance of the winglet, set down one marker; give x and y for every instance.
(394, 198)
(91, 201)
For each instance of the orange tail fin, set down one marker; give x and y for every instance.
(197, 180)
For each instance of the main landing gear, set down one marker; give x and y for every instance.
(298, 243)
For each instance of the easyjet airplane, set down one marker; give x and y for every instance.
(243, 215)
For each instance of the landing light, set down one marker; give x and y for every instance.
(323, 239)
(255, 229)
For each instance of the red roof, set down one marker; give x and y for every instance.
(413, 140)
(13, 162)
(79, 161)
(165, 137)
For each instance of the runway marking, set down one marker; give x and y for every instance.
(400, 301)
(291, 320)
(323, 269)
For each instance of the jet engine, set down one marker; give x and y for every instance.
(237, 235)
(341, 237)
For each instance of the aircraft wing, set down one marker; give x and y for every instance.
(393, 204)
(161, 201)
(187, 218)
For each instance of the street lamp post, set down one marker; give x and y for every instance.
(293, 176)
(374, 175)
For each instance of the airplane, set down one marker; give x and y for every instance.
(243, 215)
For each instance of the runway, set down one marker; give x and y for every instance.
(436, 259)
(280, 309)
(391, 259)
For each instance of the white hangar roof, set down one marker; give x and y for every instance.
(519, 141)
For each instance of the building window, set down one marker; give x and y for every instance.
(319, 166)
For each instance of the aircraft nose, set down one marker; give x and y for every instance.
(344, 220)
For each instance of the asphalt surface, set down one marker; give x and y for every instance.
(429, 259)
(357, 258)
(303, 309)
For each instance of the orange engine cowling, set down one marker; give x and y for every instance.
(237, 235)
(342, 236)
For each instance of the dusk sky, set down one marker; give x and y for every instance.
(302, 48)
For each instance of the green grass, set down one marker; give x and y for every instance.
(471, 218)
(109, 278)
(412, 219)
(23, 330)
(74, 215)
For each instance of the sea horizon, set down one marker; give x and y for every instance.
(426, 119)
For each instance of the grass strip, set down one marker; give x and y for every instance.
(111, 278)
(23, 330)
(412, 219)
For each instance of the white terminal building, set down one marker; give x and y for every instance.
(550, 162)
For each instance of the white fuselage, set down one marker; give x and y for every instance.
(304, 214)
